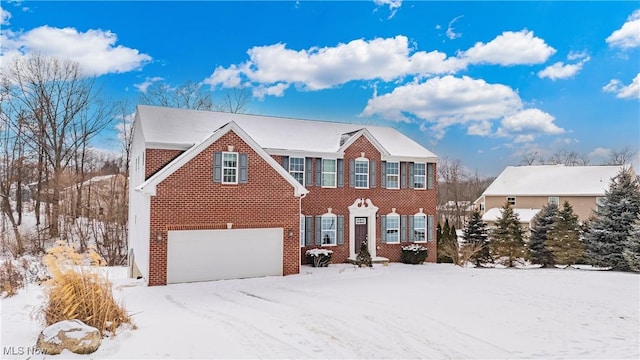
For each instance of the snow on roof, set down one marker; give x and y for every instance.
(525, 215)
(180, 127)
(552, 180)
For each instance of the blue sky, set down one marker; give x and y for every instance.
(483, 82)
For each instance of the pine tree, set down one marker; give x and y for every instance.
(563, 239)
(610, 230)
(507, 238)
(475, 233)
(541, 224)
(443, 242)
(632, 250)
(364, 256)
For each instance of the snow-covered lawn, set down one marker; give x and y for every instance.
(398, 311)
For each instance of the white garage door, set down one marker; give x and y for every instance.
(203, 255)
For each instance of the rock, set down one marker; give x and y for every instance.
(73, 335)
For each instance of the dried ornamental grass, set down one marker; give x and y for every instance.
(84, 296)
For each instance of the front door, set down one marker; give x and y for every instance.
(361, 232)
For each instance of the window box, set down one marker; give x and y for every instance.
(413, 254)
(319, 257)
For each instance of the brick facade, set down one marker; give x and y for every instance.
(189, 199)
(406, 201)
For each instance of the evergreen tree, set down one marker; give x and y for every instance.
(632, 249)
(364, 256)
(541, 224)
(507, 238)
(475, 233)
(563, 239)
(443, 242)
(611, 228)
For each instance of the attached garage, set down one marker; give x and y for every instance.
(203, 255)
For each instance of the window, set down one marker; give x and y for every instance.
(554, 200)
(362, 173)
(229, 168)
(328, 173)
(328, 229)
(393, 228)
(393, 175)
(419, 228)
(419, 175)
(296, 169)
(511, 201)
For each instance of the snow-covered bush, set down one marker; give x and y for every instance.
(413, 254)
(319, 257)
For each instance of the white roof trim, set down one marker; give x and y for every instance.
(364, 132)
(149, 186)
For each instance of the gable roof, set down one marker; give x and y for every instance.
(180, 128)
(149, 186)
(553, 180)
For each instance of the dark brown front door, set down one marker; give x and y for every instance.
(362, 232)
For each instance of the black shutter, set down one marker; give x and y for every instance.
(217, 167)
(412, 182)
(430, 175)
(352, 173)
(372, 174)
(285, 163)
(383, 228)
(340, 230)
(243, 169)
(308, 230)
(308, 171)
(318, 172)
(340, 172)
(383, 174)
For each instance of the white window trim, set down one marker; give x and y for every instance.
(303, 230)
(335, 173)
(237, 174)
(424, 216)
(514, 200)
(397, 175)
(396, 216)
(335, 229)
(296, 171)
(361, 159)
(557, 200)
(424, 182)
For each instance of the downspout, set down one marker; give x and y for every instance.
(302, 196)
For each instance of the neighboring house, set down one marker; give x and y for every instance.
(220, 195)
(528, 188)
(99, 196)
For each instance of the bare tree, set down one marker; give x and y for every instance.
(63, 112)
(569, 158)
(192, 95)
(621, 157)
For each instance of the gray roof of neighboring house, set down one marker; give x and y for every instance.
(553, 180)
(184, 128)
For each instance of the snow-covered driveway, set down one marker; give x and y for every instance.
(399, 311)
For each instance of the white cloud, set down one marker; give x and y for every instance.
(631, 91)
(394, 5)
(560, 70)
(275, 90)
(451, 34)
(143, 86)
(387, 59)
(510, 48)
(4, 16)
(94, 50)
(525, 125)
(600, 154)
(628, 36)
(442, 102)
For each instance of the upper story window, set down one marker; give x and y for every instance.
(229, 168)
(554, 200)
(296, 168)
(393, 175)
(511, 200)
(362, 173)
(392, 228)
(329, 172)
(420, 176)
(328, 229)
(599, 202)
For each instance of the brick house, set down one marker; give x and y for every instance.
(220, 196)
(528, 188)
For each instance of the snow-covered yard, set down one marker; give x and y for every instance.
(397, 311)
